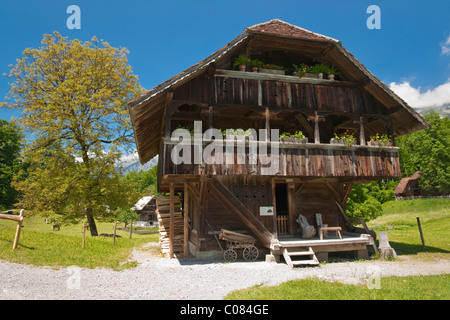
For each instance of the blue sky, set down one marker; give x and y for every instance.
(410, 53)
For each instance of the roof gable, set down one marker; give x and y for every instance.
(147, 111)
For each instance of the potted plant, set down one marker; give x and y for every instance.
(241, 62)
(255, 64)
(346, 138)
(300, 70)
(297, 137)
(378, 140)
(272, 69)
(332, 72)
(314, 72)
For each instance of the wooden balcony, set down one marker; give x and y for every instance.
(281, 159)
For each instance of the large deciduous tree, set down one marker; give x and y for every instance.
(73, 98)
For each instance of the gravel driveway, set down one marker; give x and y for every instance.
(192, 279)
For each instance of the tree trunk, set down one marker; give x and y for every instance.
(91, 222)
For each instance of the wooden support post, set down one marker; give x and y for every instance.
(316, 128)
(292, 209)
(267, 124)
(18, 229)
(362, 136)
(203, 204)
(172, 218)
(274, 204)
(316, 118)
(186, 220)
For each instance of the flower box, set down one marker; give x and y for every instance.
(294, 140)
(343, 142)
(313, 75)
(379, 143)
(271, 71)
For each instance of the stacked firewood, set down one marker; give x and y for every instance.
(163, 214)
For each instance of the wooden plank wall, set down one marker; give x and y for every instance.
(278, 94)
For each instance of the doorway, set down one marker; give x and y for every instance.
(282, 209)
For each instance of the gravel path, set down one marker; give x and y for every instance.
(192, 279)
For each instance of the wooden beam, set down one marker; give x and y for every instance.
(203, 204)
(292, 208)
(305, 125)
(274, 205)
(299, 190)
(267, 114)
(186, 221)
(172, 218)
(193, 191)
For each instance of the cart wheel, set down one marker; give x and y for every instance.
(250, 253)
(230, 255)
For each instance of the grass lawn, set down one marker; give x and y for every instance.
(40, 245)
(400, 223)
(392, 288)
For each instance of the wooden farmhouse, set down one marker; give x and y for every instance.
(146, 209)
(261, 182)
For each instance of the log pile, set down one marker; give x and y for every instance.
(163, 214)
(228, 235)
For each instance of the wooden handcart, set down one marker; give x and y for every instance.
(235, 241)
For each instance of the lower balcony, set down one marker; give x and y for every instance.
(222, 157)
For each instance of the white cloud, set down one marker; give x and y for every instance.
(445, 48)
(416, 99)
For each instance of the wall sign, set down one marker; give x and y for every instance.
(266, 211)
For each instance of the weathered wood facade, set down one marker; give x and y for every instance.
(226, 184)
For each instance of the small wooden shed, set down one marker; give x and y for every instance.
(260, 184)
(409, 187)
(146, 209)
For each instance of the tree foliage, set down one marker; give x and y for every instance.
(428, 151)
(365, 200)
(145, 182)
(10, 145)
(73, 98)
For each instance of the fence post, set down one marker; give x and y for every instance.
(18, 228)
(421, 234)
(131, 228)
(84, 234)
(114, 235)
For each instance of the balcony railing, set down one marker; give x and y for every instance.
(213, 157)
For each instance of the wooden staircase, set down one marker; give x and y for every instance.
(300, 257)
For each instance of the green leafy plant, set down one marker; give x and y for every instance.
(240, 59)
(297, 134)
(380, 138)
(348, 137)
(256, 63)
(332, 70)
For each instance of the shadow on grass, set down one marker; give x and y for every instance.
(411, 249)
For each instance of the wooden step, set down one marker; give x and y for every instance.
(299, 253)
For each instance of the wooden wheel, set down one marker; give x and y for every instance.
(250, 253)
(230, 255)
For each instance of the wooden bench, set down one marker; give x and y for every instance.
(322, 228)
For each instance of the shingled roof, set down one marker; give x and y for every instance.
(284, 29)
(147, 111)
